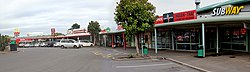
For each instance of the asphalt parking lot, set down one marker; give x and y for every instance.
(44, 59)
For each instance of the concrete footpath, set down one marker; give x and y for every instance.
(240, 62)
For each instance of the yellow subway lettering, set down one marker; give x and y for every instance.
(234, 10)
(228, 10)
(239, 9)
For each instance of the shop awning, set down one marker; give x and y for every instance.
(208, 20)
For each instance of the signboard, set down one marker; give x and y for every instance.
(186, 15)
(230, 10)
(77, 31)
(103, 31)
(119, 27)
(168, 17)
(107, 29)
(53, 30)
(16, 32)
(159, 20)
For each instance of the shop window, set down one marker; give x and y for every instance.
(187, 39)
(233, 38)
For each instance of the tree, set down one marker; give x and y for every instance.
(94, 29)
(135, 16)
(74, 26)
(4, 40)
(59, 34)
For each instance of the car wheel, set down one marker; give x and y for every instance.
(62, 46)
(75, 46)
(91, 45)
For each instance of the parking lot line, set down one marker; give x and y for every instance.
(144, 65)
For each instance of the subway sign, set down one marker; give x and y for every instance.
(232, 10)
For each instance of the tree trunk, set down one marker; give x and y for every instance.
(137, 45)
(94, 39)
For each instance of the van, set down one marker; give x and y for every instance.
(67, 43)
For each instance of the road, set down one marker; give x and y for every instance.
(78, 60)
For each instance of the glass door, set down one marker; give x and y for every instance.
(210, 38)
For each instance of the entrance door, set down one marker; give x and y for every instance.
(210, 38)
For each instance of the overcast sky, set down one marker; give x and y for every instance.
(41, 15)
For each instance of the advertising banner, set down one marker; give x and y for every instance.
(186, 15)
(159, 20)
(168, 17)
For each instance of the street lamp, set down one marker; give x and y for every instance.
(197, 3)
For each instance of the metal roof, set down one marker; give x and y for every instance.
(207, 20)
(229, 2)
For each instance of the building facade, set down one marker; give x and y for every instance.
(218, 27)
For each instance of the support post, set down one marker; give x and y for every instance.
(155, 40)
(112, 44)
(247, 41)
(124, 41)
(217, 39)
(203, 38)
(105, 40)
(172, 34)
(142, 44)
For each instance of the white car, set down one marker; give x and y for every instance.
(57, 44)
(27, 45)
(85, 43)
(37, 44)
(21, 44)
(42, 44)
(66, 43)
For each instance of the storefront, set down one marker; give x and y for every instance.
(218, 27)
(164, 39)
(114, 39)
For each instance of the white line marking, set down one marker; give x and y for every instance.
(144, 65)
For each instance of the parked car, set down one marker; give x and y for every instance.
(27, 44)
(57, 43)
(42, 44)
(21, 44)
(37, 44)
(31, 44)
(50, 43)
(67, 43)
(85, 43)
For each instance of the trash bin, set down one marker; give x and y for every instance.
(13, 46)
(200, 51)
(145, 50)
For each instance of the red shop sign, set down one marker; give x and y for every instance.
(159, 20)
(187, 15)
